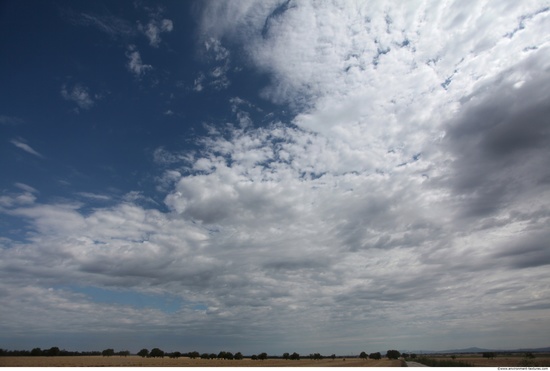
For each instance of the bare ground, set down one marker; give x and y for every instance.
(502, 361)
(136, 361)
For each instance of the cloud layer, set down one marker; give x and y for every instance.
(405, 204)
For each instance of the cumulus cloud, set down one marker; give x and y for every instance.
(409, 188)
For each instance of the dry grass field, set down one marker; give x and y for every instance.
(502, 361)
(136, 361)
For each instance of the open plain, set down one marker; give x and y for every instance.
(136, 361)
(500, 361)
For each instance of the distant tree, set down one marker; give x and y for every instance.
(53, 352)
(405, 355)
(228, 355)
(212, 356)
(124, 353)
(529, 355)
(363, 355)
(156, 353)
(413, 355)
(295, 356)
(286, 356)
(205, 356)
(489, 355)
(262, 356)
(221, 355)
(376, 355)
(193, 354)
(36, 352)
(238, 356)
(453, 357)
(175, 355)
(393, 354)
(108, 352)
(254, 357)
(143, 353)
(333, 356)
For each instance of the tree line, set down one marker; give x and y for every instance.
(159, 353)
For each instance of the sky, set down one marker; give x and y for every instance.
(274, 176)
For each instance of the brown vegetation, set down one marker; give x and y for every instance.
(136, 361)
(501, 360)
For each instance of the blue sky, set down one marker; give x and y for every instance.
(254, 175)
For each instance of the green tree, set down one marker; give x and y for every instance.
(333, 356)
(295, 356)
(143, 353)
(156, 353)
(376, 355)
(286, 356)
(205, 356)
(108, 352)
(175, 355)
(262, 356)
(193, 354)
(393, 354)
(489, 355)
(124, 353)
(254, 357)
(363, 355)
(36, 352)
(53, 352)
(238, 356)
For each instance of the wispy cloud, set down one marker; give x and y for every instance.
(20, 143)
(94, 196)
(10, 120)
(135, 64)
(113, 26)
(219, 59)
(154, 29)
(78, 94)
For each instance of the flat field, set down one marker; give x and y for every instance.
(501, 361)
(136, 361)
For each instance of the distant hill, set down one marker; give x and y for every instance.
(481, 350)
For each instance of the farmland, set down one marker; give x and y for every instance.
(502, 360)
(136, 361)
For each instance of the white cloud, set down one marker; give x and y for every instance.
(218, 58)
(78, 94)
(155, 28)
(135, 64)
(94, 196)
(111, 25)
(409, 189)
(20, 143)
